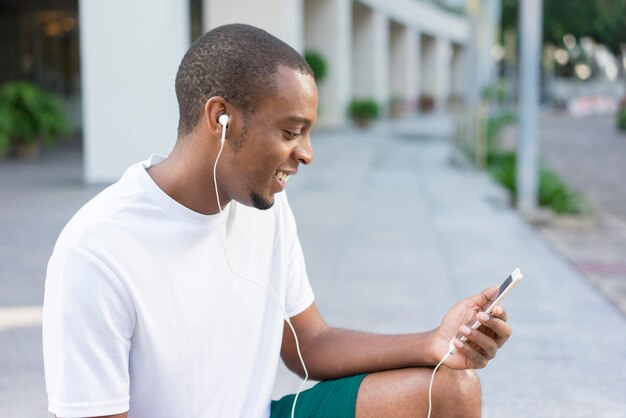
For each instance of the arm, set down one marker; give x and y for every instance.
(331, 353)
(88, 319)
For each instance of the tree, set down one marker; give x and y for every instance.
(602, 20)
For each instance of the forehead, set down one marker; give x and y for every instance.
(295, 95)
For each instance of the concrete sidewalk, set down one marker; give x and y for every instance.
(394, 235)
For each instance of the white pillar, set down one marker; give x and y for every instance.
(370, 54)
(403, 65)
(362, 41)
(281, 18)
(397, 60)
(412, 67)
(530, 15)
(418, 63)
(428, 55)
(489, 23)
(459, 69)
(443, 72)
(129, 57)
(328, 31)
(381, 58)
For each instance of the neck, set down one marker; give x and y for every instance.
(186, 175)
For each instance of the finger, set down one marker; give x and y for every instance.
(475, 359)
(486, 345)
(501, 330)
(499, 312)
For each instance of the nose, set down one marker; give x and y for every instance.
(303, 153)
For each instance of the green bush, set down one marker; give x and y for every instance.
(502, 166)
(553, 192)
(5, 144)
(495, 93)
(621, 119)
(317, 63)
(363, 109)
(28, 114)
(495, 124)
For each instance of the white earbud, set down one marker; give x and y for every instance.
(223, 120)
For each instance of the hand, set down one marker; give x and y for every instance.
(482, 343)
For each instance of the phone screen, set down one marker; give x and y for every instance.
(504, 285)
(510, 282)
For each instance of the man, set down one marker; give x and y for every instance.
(166, 294)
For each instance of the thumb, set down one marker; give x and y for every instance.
(484, 298)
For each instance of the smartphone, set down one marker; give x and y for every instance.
(505, 288)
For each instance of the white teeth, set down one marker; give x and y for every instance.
(282, 176)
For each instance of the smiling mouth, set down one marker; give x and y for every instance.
(281, 176)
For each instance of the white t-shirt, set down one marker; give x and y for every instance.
(142, 313)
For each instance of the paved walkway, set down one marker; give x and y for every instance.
(393, 235)
(590, 155)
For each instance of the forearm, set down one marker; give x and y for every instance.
(336, 352)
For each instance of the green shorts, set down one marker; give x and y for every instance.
(331, 398)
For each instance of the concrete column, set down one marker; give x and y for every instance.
(129, 104)
(459, 69)
(370, 54)
(281, 18)
(489, 23)
(444, 76)
(398, 60)
(412, 45)
(417, 62)
(327, 30)
(381, 58)
(530, 18)
(403, 62)
(428, 58)
(362, 40)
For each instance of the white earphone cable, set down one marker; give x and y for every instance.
(271, 291)
(268, 289)
(430, 386)
(219, 154)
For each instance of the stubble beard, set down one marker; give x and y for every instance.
(259, 202)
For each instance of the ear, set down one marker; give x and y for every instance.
(215, 107)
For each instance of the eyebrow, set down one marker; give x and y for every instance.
(298, 120)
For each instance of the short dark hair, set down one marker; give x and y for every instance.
(237, 62)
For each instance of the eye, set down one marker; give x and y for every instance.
(291, 134)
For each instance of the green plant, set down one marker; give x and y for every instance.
(363, 109)
(495, 93)
(501, 166)
(495, 124)
(28, 114)
(317, 63)
(4, 139)
(621, 118)
(553, 192)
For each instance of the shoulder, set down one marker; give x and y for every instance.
(91, 218)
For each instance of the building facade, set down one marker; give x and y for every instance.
(401, 52)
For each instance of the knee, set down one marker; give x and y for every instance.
(456, 393)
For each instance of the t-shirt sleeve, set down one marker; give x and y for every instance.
(88, 321)
(299, 294)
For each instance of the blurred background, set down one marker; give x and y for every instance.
(486, 121)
